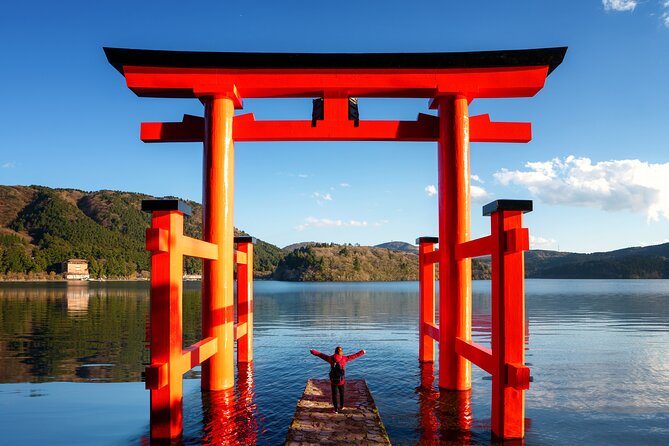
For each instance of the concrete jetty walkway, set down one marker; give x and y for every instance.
(315, 423)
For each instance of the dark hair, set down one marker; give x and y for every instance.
(339, 349)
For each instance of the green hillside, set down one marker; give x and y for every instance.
(331, 262)
(651, 262)
(41, 227)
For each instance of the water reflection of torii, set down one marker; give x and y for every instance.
(222, 80)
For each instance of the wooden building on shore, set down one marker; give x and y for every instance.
(75, 269)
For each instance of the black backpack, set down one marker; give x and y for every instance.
(336, 372)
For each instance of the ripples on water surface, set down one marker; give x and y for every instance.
(71, 359)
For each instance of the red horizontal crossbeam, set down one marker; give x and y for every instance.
(156, 375)
(518, 376)
(247, 129)
(476, 353)
(197, 248)
(363, 82)
(157, 240)
(197, 353)
(431, 330)
(240, 258)
(432, 257)
(474, 248)
(482, 130)
(190, 129)
(240, 330)
(516, 240)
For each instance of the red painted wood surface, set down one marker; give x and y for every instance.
(222, 86)
(245, 303)
(362, 82)
(217, 222)
(426, 303)
(454, 228)
(169, 359)
(505, 360)
(166, 328)
(508, 325)
(247, 129)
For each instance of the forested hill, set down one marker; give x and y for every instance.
(41, 227)
(649, 262)
(332, 262)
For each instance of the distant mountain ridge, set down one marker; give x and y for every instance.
(41, 227)
(399, 246)
(294, 246)
(649, 262)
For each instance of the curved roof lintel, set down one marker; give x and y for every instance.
(551, 57)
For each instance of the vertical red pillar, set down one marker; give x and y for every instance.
(217, 221)
(425, 298)
(510, 375)
(166, 329)
(454, 228)
(245, 299)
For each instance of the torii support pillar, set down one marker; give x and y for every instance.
(427, 331)
(244, 326)
(505, 361)
(455, 290)
(218, 275)
(169, 360)
(510, 375)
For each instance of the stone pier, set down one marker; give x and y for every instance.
(315, 422)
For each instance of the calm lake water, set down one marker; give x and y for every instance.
(71, 359)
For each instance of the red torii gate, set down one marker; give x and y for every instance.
(450, 80)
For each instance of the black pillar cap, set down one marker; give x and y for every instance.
(166, 205)
(420, 240)
(507, 205)
(245, 239)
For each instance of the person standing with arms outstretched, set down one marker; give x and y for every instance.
(337, 371)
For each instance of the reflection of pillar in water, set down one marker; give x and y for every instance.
(229, 421)
(218, 410)
(427, 401)
(77, 295)
(247, 426)
(455, 416)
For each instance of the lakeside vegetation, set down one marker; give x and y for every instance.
(41, 227)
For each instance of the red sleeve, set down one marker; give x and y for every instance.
(355, 355)
(323, 356)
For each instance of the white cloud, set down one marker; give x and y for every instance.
(478, 193)
(312, 222)
(431, 190)
(630, 5)
(542, 243)
(9, 165)
(619, 5)
(613, 185)
(476, 178)
(322, 197)
(303, 175)
(344, 185)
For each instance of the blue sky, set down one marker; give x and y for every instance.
(597, 168)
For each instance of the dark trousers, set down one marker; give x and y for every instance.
(337, 390)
